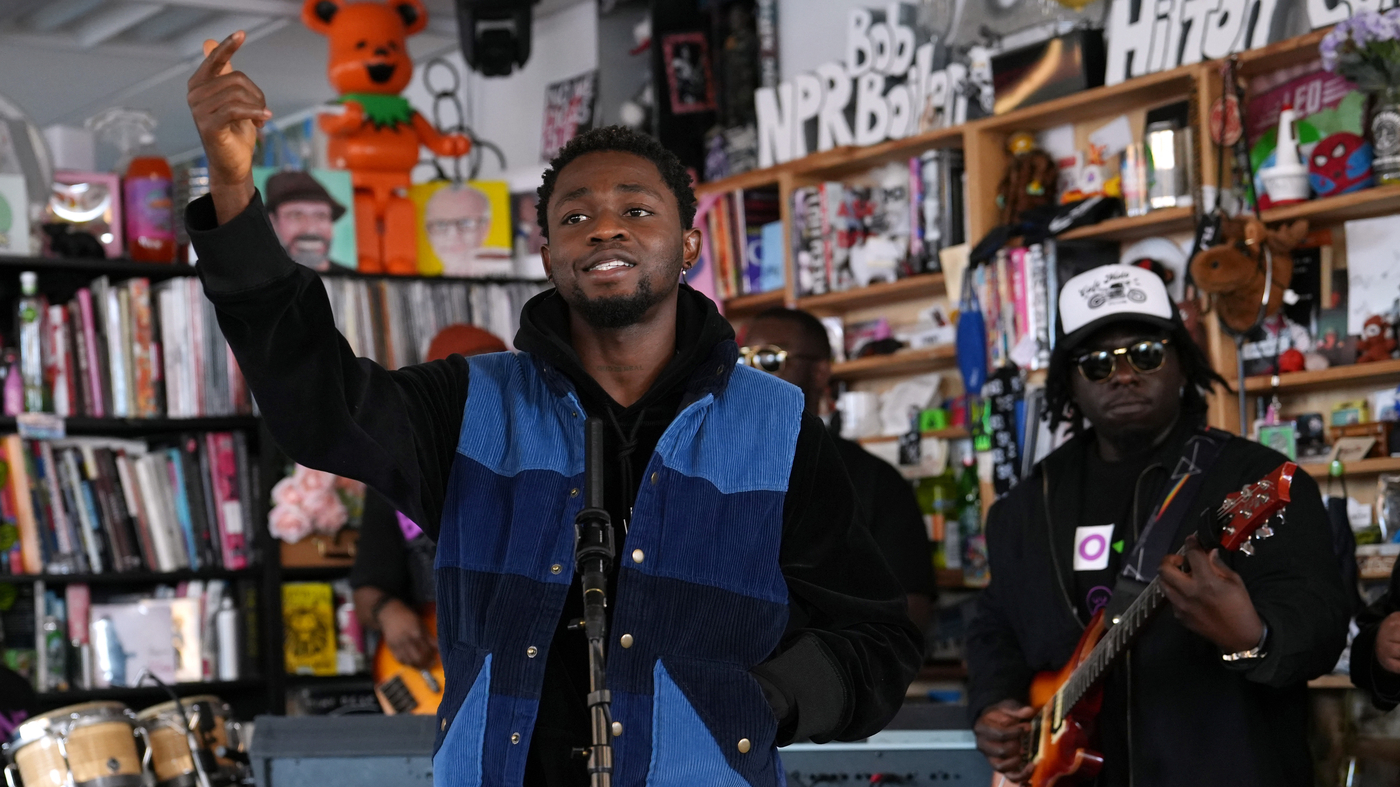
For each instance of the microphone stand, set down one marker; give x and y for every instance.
(593, 557)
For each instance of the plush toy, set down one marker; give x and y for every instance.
(1233, 272)
(1377, 340)
(378, 134)
(1029, 181)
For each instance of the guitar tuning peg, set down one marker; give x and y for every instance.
(1263, 532)
(1247, 547)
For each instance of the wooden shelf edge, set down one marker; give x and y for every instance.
(750, 304)
(1367, 203)
(1379, 464)
(951, 433)
(1304, 380)
(927, 359)
(1281, 53)
(1100, 101)
(922, 285)
(1333, 681)
(1133, 227)
(134, 577)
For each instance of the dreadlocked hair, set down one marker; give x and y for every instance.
(622, 140)
(1201, 379)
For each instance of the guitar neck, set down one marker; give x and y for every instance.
(1113, 645)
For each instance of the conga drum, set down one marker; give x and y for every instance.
(87, 745)
(174, 764)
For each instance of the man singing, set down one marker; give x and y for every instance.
(748, 608)
(1214, 693)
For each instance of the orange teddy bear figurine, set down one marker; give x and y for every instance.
(378, 135)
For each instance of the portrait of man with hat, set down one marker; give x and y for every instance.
(303, 214)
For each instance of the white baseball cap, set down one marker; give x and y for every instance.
(1109, 294)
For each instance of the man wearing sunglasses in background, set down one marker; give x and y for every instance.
(1214, 693)
(793, 345)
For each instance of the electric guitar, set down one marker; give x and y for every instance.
(1068, 701)
(406, 689)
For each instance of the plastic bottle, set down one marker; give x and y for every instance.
(148, 203)
(31, 341)
(937, 496)
(974, 538)
(226, 631)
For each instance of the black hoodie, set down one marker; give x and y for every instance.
(849, 651)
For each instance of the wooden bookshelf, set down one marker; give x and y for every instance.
(1163, 87)
(903, 362)
(151, 693)
(1364, 204)
(843, 162)
(1379, 464)
(924, 285)
(747, 305)
(314, 573)
(1324, 378)
(1282, 54)
(1157, 222)
(117, 268)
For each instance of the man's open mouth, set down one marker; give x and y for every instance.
(609, 265)
(381, 73)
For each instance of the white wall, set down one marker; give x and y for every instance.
(509, 111)
(812, 32)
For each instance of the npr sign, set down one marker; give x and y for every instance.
(1147, 36)
(885, 89)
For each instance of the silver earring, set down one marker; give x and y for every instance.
(683, 270)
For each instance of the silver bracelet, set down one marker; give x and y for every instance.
(1256, 652)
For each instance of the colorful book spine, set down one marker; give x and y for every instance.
(143, 351)
(96, 400)
(31, 555)
(176, 478)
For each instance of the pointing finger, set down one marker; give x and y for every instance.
(216, 58)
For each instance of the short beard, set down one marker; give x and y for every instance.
(616, 311)
(619, 311)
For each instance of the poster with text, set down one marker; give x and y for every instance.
(569, 107)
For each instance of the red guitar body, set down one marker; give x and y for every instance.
(1063, 756)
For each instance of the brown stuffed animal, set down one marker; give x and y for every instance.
(1233, 272)
(1377, 340)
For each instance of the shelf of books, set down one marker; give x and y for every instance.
(1378, 371)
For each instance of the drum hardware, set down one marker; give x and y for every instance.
(87, 745)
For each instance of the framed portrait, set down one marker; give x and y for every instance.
(688, 74)
(313, 214)
(464, 229)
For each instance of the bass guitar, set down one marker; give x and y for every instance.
(402, 688)
(1068, 701)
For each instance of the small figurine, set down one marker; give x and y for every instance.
(1377, 341)
(1029, 181)
(378, 135)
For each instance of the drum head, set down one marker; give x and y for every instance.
(60, 720)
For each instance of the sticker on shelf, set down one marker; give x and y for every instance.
(40, 426)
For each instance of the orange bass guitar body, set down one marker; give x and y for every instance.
(405, 689)
(1059, 737)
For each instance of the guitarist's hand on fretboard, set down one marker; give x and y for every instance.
(1000, 730)
(405, 635)
(1209, 598)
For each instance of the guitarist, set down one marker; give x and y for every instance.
(393, 571)
(1214, 693)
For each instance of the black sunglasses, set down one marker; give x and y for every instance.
(1145, 356)
(769, 358)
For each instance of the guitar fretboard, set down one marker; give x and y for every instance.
(1113, 644)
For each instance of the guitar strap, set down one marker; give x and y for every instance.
(1155, 541)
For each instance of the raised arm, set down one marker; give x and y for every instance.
(396, 431)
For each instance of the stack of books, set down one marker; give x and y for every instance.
(133, 350)
(90, 506)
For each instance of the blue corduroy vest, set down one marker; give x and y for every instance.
(699, 590)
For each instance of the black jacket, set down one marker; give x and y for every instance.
(1174, 713)
(849, 651)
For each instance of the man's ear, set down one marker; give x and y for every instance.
(821, 376)
(544, 257)
(690, 247)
